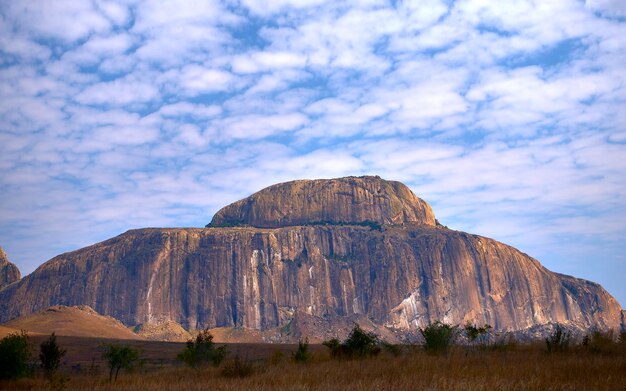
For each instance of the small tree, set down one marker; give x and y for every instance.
(202, 350)
(359, 344)
(50, 355)
(119, 357)
(473, 332)
(438, 336)
(559, 340)
(335, 347)
(302, 354)
(14, 356)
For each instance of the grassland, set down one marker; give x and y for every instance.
(516, 367)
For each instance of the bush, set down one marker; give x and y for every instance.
(237, 368)
(599, 342)
(119, 357)
(302, 354)
(15, 356)
(559, 340)
(335, 347)
(202, 350)
(276, 357)
(475, 333)
(359, 344)
(438, 336)
(50, 355)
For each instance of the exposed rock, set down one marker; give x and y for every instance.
(398, 278)
(163, 331)
(341, 200)
(9, 273)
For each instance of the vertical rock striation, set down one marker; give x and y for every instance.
(302, 258)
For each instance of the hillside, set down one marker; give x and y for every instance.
(72, 321)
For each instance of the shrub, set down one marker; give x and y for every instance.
(14, 356)
(599, 342)
(475, 333)
(202, 350)
(237, 368)
(119, 357)
(50, 355)
(335, 347)
(302, 354)
(276, 357)
(359, 344)
(559, 340)
(438, 336)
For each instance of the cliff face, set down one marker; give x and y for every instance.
(9, 273)
(402, 276)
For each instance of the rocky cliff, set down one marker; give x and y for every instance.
(9, 273)
(390, 264)
(341, 200)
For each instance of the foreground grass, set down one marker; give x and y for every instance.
(524, 368)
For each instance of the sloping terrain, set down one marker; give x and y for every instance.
(334, 250)
(72, 321)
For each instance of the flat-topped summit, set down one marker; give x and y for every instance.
(341, 200)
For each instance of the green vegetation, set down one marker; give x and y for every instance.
(119, 357)
(15, 356)
(270, 367)
(359, 344)
(226, 224)
(302, 354)
(50, 355)
(373, 225)
(559, 340)
(438, 336)
(475, 333)
(202, 350)
(237, 368)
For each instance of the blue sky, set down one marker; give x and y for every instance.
(508, 117)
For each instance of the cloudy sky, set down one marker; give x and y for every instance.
(509, 117)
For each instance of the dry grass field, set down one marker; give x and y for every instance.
(516, 368)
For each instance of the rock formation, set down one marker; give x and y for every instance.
(9, 273)
(357, 248)
(342, 200)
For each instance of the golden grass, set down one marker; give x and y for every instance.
(524, 368)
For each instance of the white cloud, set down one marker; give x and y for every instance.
(508, 117)
(64, 19)
(195, 80)
(118, 92)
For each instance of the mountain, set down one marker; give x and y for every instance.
(9, 273)
(80, 321)
(325, 251)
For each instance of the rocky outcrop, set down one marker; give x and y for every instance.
(9, 273)
(342, 200)
(399, 277)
